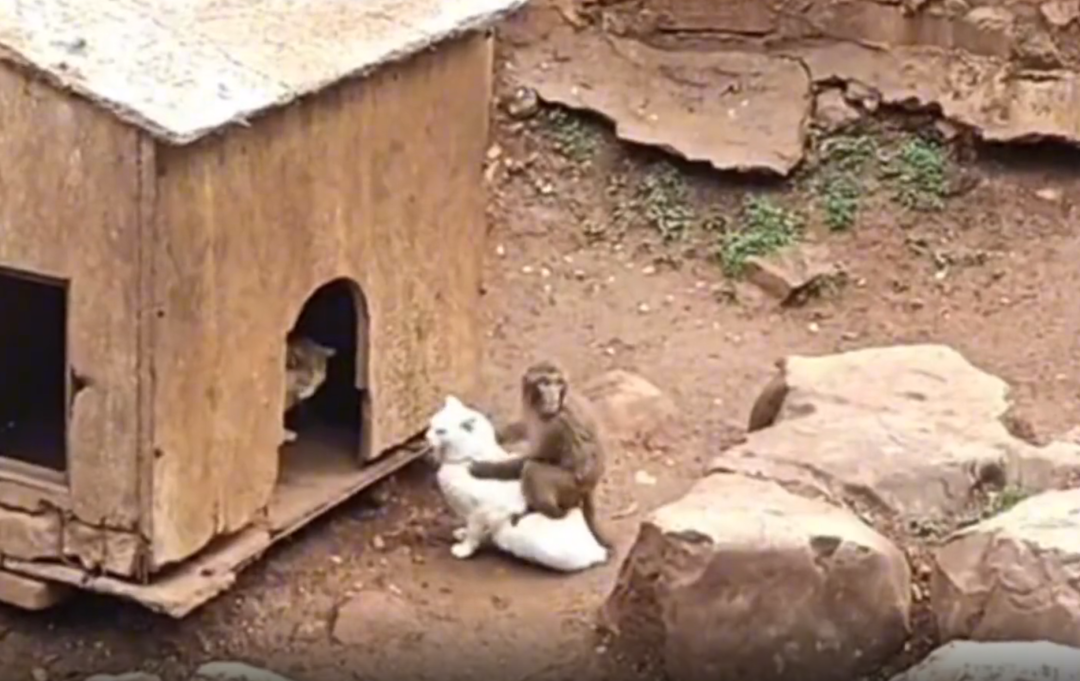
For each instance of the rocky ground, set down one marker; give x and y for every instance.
(604, 256)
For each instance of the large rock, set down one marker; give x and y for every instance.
(791, 270)
(736, 110)
(741, 579)
(632, 409)
(235, 671)
(907, 430)
(997, 661)
(1014, 576)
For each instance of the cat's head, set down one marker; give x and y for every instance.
(457, 433)
(308, 358)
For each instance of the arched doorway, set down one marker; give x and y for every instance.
(338, 414)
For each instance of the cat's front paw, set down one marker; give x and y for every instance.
(463, 549)
(459, 534)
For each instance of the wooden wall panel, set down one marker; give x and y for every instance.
(378, 180)
(68, 199)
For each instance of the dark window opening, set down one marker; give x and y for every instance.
(334, 316)
(33, 370)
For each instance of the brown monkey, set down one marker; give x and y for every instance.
(565, 457)
(767, 405)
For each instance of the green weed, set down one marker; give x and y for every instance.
(1004, 500)
(839, 195)
(765, 227)
(661, 200)
(846, 160)
(849, 153)
(919, 169)
(570, 135)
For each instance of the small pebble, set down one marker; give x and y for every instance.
(813, 327)
(579, 274)
(1049, 194)
(648, 270)
(545, 272)
(644, 478)
(643, 308)
(527, 269)
(500, 251)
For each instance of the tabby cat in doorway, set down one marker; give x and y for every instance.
(305, 371)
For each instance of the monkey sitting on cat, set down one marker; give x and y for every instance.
(305, 371)
(565, 458)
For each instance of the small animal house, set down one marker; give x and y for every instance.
(240, 265)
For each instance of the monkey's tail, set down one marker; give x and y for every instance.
(588, 509)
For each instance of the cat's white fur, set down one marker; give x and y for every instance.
(459, 435)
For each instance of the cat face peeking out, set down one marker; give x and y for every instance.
(458, 434)
(305, 368)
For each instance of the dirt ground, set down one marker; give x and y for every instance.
(592, 300)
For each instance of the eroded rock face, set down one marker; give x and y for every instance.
(741, 579)
(740, 107)
(1014, 576)
(832, 112)
(997, 661)
(908, 430)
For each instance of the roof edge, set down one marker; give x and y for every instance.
(132, 116)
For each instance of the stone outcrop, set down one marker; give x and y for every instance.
(741, 579)
(632, 409)
(1014, 576)
(732, 83)
(910, 431)
(997, 661)
(768, 568)
(234, 671)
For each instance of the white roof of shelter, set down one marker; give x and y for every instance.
(181, 69)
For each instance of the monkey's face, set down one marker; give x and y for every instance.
(544, 393)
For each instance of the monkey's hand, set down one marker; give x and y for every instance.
(509, 469)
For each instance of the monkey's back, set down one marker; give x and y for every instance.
(578, 440)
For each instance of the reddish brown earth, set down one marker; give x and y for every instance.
(625, 301)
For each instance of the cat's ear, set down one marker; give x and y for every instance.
(453, 402)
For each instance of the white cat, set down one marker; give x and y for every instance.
(459, 435)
